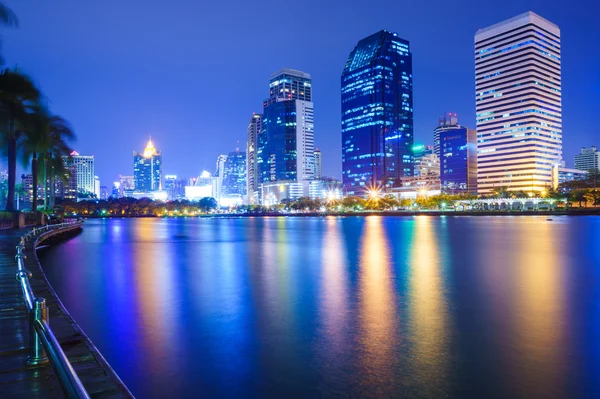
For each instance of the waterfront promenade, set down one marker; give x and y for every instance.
(17, 380)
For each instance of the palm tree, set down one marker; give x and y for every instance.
(34, 144)
(46, 138)
(18, 96)
(7, 17)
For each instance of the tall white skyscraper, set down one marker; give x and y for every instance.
(84, 165)
(518, 102)
(254, 128)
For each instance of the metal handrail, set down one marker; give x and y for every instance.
(43, 344)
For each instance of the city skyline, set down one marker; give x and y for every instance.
(122, 131)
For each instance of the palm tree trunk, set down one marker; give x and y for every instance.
(45, 182)
(52, 188)
(34, 178)
(12, 167)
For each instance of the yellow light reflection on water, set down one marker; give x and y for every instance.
(378, 316)
(427, 306)
(153, 287)
(539, 319)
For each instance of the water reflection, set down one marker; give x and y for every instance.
(539, 303)
(378, 318)
(334, 289)
(339, 307)
(428, 311)
(154, 289)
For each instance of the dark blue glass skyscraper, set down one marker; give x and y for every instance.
(377, 113)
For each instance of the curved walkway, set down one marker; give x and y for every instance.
(20, 381)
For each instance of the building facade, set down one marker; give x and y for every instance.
(447, 122)
(377, 113)
(518, 103)
(419, 151)
(458, 162)
(66, 188)
(286, 141)
(84, 166)
(234, 176)
(174, 187)
(588, 159)
(126, 186)
(147, 169)
(254, 129)
(567, 174)
(318, 164)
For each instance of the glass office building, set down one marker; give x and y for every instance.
(147, 169)
(234, 174)
(286, 141)
(458, 163)
(377, 113)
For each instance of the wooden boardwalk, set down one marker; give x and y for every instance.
(17, 380)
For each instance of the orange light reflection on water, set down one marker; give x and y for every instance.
(377, 304)
(427, 306)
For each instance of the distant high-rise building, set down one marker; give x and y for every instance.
(458, 163)
(588, 159)
(175, 187)
(84, 165)
(219, 174)
(254, 129)
(147, 169)
(97, 186)
(103, 192)
(447, 122)
(67, 188)
(286, 142)
(518, 102)
(429, 165)
(126, 186)
(234, 176)
(27, 182)
(377, 113)
(419, 151)
(318, 164)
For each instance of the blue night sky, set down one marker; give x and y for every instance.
(190, 73)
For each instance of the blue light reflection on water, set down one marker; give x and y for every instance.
(326, 307)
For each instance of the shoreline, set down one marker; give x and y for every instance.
(112, 385)
(570, 212)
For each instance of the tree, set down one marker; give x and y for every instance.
(208, 203)
(45, 138)
(18, 96)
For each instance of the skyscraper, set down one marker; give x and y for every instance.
(458, 163)
(254, 129)
(318, 164)
(286, 142)
(234, 176)
(147, 169)
(126, 186)
(67, 188)
(377, 113)
(219, 174)
(518, 102)
(588, 159)
(84, 166)
(447, 122)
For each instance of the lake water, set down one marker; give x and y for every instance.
(351, 307)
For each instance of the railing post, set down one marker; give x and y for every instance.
(37, 354)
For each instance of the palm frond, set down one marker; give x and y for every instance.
(7, 16)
